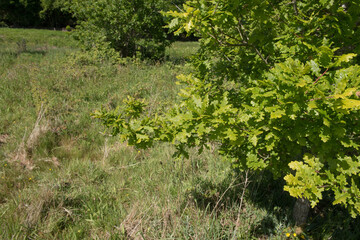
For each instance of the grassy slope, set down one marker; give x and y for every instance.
(63, 178)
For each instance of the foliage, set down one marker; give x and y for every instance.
(132, 28)
(34, 13)
(20, 12)
(276, 85)
(54, 13)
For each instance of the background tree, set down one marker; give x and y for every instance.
(128, 27)
(54, 14)
(34, 13)
(20, 12)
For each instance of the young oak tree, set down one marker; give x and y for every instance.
(276, 85)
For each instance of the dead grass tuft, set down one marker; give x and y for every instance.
(25, 150)
(36, 210)
(131, 226)
(4, 138)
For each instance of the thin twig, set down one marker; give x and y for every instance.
(131, 165)
(177, 7)
(245, 38)
(216, 7)
(217, 203)
(317, 81)
(320, 76)
(177, 222)
(227, 35)
(106, 151)
(241, 202)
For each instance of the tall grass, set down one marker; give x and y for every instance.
(64, 177)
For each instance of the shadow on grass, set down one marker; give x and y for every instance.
(17, 53)
(265, 207)
(36, 52)
(266, 193)
(325, 221)
(214, 196)
(31, 52)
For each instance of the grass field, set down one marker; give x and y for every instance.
(64, 177)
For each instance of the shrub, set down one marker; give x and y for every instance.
(276, 85)
(132, 28)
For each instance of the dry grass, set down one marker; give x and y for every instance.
(4, 138)
(24, 153)
(38, 209)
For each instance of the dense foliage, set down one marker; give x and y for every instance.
(20, 12)
(34, 13)
(54, 14)
(132, 28)
(276, 85)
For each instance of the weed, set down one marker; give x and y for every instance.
(21, 46)
(24, 153)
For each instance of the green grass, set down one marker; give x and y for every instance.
(63, 177)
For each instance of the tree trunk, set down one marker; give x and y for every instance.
(300, 211)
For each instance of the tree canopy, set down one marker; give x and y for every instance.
(128, 27)
(34, 13)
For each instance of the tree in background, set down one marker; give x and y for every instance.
(23, 13)
(54, 13)
(132, 28)
(34, 13)
(276, 86)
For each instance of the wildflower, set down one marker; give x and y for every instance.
(49, 169)
(287, 234)
(30, 179)
(294, 234)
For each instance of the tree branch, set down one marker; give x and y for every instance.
(245, 38)
(177, 7)
(225, 43)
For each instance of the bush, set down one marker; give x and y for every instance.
(132, 28)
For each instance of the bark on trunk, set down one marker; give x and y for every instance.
(301, 211)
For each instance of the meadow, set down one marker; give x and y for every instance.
(64, 177)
